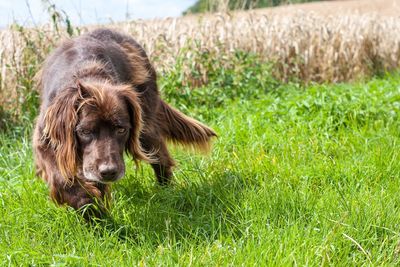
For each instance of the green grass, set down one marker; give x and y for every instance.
(298, 176)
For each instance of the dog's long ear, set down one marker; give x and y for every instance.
(133, 146)
(60, 120)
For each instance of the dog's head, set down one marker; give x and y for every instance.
(89, 126)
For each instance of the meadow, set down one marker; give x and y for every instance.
(298, 176)
(304, 171)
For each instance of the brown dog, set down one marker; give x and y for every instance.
(99, 99)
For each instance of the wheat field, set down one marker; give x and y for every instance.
(302, 46)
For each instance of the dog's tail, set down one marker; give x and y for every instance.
(182, 129)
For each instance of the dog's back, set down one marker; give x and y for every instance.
(108, 47)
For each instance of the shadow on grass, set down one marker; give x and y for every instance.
(195, 211)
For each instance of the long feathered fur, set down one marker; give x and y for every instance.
(103, 69)
(184, 130)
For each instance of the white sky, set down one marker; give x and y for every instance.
(90, 11)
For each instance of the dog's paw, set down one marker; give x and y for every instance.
(91, 208)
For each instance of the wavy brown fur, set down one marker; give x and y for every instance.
(98, 80)
(59, 126)
(182, 129)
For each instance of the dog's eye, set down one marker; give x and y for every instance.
(121, 130)
(85, 132)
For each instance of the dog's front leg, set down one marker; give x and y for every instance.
(79, 194)
(75, 193)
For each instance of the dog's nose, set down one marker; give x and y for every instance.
(108, 172)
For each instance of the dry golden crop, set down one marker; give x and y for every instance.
(303, 46)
